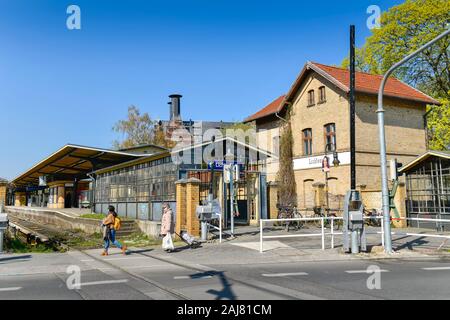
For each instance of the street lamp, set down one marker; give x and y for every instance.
(382, 139)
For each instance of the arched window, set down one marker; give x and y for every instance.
(311, 100)
(322, 95)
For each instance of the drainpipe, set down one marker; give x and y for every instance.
(281, 118)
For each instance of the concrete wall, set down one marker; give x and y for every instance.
(150, 228)
(89, 226)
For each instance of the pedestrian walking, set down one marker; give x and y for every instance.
(167, 228)
(111, 224)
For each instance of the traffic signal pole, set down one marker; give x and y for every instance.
(352, 110)
(382, 141)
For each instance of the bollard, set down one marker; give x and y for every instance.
(332, 232)
(204, 231)
(355, 242)
(323, 232)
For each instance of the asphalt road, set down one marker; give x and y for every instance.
(140, 276)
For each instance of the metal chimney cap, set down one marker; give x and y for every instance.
(175, 96)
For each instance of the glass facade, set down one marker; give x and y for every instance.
(138, 185)
(428, 192)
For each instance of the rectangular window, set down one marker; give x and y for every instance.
(276, 145)
(330, 136)
(311, 100)
(322, 95)
(307, 142)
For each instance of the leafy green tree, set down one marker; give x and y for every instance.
(405, 28)
(137, 129)
(438, 121)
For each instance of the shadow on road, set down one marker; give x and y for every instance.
(226, 292)
(409, 244)
(12, 259)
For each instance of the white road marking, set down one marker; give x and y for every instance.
(273, 275)
(153, 266)
(124, 258)
(436, 268)
(365, 271)
(105, 269)
(87, 260)
(10, 289)
(96, 283)
(191, 277)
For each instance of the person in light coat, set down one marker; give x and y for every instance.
(167, 227)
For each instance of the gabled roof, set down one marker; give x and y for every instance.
(365, 83)
(72, 160)
(423, 157)
(370, 83)
(273, 107)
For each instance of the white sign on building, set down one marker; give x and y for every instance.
(316, 162)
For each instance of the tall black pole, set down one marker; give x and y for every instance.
(352, 109)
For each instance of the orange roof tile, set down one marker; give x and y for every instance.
(370, 83)
(365, 83)
(268, 110)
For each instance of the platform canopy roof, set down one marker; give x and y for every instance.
(73, 162)
(419, 160)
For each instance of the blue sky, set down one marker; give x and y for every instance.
(228, 59)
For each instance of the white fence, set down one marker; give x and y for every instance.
(332, 232)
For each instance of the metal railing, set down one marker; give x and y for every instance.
(321, 234)
(332, 232)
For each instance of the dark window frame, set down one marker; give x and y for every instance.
(311, 98)
(330, 136)
(307, 141)
(322, 94)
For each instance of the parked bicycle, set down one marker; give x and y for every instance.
(319, 212)
(289, 213)
(373, 220)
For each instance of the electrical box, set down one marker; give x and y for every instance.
(353, 218)
(3, 221)
(204, 213)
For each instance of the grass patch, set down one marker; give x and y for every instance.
(17, 246)
(96, 216)
(82, 241)
(100, 216)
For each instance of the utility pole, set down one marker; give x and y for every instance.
(352, 110)
(382, 138)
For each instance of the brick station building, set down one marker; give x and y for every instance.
(320, 113)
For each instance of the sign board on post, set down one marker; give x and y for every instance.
(42, 181)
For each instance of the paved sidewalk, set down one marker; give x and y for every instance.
(244, 250)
